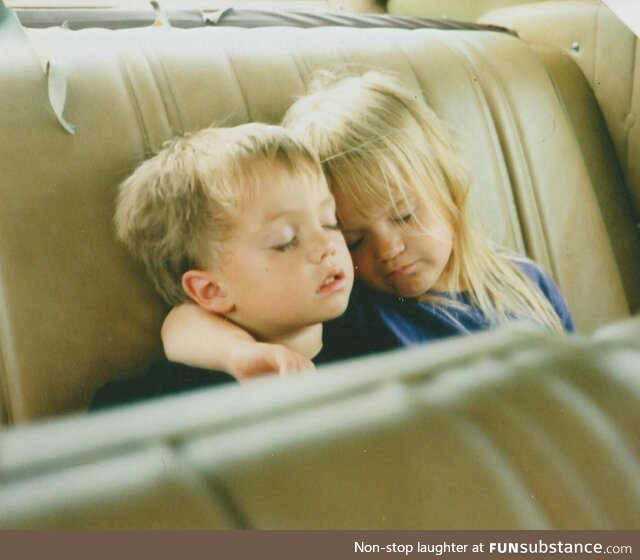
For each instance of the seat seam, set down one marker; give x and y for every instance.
(489, 122)
(519, 154)
(124, 72)
(176, 128)
(7, 404)
(556, 458)
(513, 481)
(627, 135)
(239, 84)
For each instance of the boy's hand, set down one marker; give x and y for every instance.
(258, 359)
(195, 337)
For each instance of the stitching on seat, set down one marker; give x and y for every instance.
(519, 156)
(504, 191)
(515, 149)
(598, 198)
(7, 358)
(577, 400)
(240, 88)
(625, 156)
(149, 58)
(343, 51)
(632, 96)
(165, 83)
(596, 42)
(298, 59)
(561, 467)
(216, 492)
(504, 472)
(231, 508)
(126, 77)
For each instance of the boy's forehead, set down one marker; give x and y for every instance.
(292, 172)
(295, 179)
(279, 186)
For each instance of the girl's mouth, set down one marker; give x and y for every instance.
(401, 271)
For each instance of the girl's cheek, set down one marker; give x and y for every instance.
(360, 267)
(356, 262)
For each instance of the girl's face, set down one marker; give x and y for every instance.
(403, 249)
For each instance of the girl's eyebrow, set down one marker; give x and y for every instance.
(394, 204)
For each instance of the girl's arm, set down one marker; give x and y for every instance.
(191, 335)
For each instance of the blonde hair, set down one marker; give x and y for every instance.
(178, 207)
(377, 140)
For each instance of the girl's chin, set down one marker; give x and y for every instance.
(407, 293)
(411, 289)
(404, 290)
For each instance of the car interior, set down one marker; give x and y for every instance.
(513, 428)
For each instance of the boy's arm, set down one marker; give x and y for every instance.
(195, 337)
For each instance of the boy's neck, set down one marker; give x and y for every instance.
(306, 341)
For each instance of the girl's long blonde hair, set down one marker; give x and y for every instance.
(377, 139)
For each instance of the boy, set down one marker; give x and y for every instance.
(240, 221)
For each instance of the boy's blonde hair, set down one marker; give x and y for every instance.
(378, 140)
(177, 208)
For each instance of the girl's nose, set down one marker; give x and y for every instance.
(388, 246)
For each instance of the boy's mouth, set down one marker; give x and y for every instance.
(333, 282)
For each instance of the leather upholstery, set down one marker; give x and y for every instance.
(513, 429)
(77, 311)
(605, 49)
(464, 10)
(510, 429)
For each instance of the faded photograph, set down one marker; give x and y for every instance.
(324, 264)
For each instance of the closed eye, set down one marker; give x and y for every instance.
(288, 246)
(355, 244)
(404, 219)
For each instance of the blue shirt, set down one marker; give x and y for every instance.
(375, 322)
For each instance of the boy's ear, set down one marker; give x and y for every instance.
(208, 294)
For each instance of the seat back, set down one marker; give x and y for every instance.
(604, 48)
(77, 311)
(511, 429)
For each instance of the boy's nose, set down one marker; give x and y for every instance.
(324, 247)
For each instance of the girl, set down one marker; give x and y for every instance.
(422, 271)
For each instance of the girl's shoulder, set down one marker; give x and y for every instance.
(532, 269)
(546, 285)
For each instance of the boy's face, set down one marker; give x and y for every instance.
(402, 249)
(287, 265)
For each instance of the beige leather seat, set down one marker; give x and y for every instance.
(604, 49)
(465, 10)
(78, 311)
(503, 430)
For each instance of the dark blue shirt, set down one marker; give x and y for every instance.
(375, 322)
